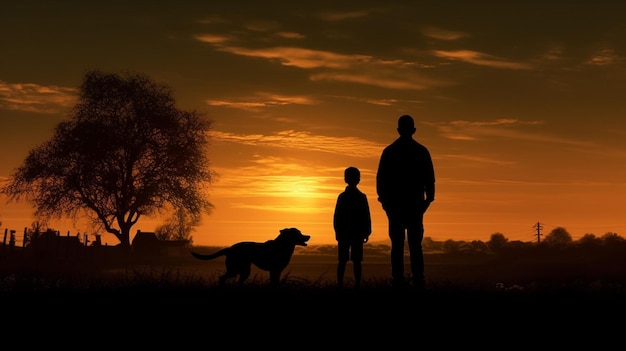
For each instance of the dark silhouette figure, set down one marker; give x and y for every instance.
(353, 226)
(405, 184)
(272, 256)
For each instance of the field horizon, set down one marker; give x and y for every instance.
(466, 295)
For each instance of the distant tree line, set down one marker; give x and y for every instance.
(558, 239)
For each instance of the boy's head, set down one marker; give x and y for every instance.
(352, 176)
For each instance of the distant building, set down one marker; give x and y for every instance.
(147, 244)
(51, 244)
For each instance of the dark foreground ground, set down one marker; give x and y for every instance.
(476, 300)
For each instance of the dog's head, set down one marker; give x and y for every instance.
(294, 236)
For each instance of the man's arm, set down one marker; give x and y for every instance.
(430, 192)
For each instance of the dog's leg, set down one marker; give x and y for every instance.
(274, 278)
(244, 273)
(231, 271)
(226, 276)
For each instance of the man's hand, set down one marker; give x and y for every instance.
(426, 205)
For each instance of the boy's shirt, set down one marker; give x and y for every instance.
(352, 218)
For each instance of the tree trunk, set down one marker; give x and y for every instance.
(124, 238)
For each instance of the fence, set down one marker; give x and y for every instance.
(32, 248)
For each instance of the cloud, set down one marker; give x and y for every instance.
(290, 35)
(299, 57)
(555, 53)
(390, 81)
(262, 26)
(214, 38)
(342, 16)
(262, 100)
(501, 128)
(474, 130)
(337, 67)
(604, 57)
(379, 102)
(443, 34)
(36, 98)
(300, 140)
(477, 159)
(480, 59)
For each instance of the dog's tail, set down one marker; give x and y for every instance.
(200, 256)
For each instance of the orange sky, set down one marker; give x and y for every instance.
(521, 105)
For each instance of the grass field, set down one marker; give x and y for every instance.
(315, 269)
(469, 296)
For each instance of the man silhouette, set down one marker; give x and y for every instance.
(405, 184)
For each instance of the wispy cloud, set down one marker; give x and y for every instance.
(555, 53)
(477, 159)
(443, 34)
(262, 26)
(480, 59)
(299, 140)
(214, 38)
(342, 16)
(472, 130)
(36, 98)
(380, 102)
(290, 35)
(261, 100)
(389, 80)
(501, 128)
(300, 57)
(604, 57)
(338, 67)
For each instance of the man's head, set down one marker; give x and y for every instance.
(406, 126)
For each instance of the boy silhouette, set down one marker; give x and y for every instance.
(353, 226)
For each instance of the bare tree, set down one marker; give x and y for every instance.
(126, 152)
(177, 227)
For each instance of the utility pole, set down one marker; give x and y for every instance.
(538, 226)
